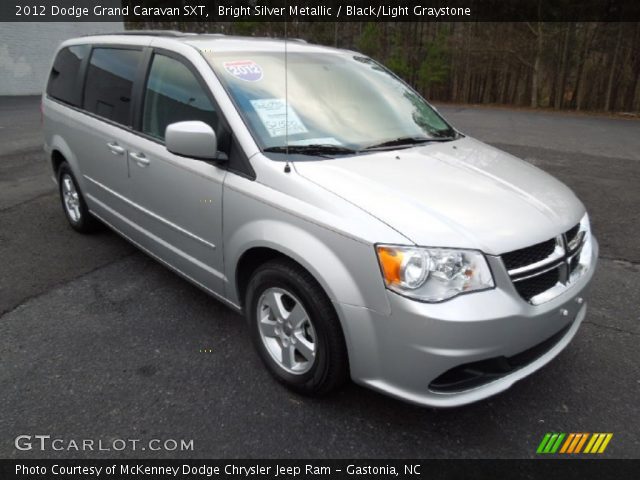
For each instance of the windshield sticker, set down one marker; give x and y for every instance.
(246, 70)
(278, 117)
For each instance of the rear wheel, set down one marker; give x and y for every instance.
(73, 204)
(295, 329)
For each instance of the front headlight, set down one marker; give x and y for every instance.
(433, 274)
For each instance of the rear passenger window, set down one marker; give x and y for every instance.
(173, 94)
(64, 82)
(110, 77)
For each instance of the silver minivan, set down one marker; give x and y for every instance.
(361, 235)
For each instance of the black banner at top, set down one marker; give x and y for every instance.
(156, 11)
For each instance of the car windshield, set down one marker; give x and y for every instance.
(326, 100)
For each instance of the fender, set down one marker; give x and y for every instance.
(334, 272)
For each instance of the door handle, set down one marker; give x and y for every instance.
(115, 148)
(140, 159)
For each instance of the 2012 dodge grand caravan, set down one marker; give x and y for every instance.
(313, 190)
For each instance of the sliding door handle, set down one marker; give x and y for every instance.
(115, 148)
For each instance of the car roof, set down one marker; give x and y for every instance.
(219, 42)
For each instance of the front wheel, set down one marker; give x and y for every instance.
(73, 204)
(295, 329)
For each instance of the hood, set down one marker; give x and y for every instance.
(461, 194)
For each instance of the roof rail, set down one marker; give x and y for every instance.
(152, 33)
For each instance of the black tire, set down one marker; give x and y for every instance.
(330, 370)
(86, 223)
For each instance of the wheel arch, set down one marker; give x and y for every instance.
(256, 256)
(249, 262)
(296, 244)
(57, 158)
(61, 152)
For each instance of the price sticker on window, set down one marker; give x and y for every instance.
(277, 117)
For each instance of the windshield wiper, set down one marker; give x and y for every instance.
(313, 149)
(407, 141)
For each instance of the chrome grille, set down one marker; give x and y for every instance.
(539, 269)
(537, 284)
(571, 234)
(573, 264)
(529, 255)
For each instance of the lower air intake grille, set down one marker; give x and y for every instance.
(476, 374)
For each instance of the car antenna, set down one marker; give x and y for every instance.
(287, 167)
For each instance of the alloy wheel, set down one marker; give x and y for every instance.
(70, 198)
(286, 331)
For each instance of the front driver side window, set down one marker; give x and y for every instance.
(173, 94)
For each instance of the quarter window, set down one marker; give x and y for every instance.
(64, 82)
(109, 83)
(173, 94)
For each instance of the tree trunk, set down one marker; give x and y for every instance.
(576, 99)
(612, 69)
(534, 82)
(562, 75)
(535, 73)
(466, 84)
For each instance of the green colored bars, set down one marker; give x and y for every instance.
(551, 442)
(543, 443)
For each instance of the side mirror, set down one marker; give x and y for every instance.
(193, 139)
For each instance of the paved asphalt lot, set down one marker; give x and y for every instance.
(98, 341)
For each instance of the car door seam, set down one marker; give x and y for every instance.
(151, 214)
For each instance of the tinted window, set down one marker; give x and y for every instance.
(174, 94)
(109, 83)
(64, 78)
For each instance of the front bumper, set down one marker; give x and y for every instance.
(401, 354)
